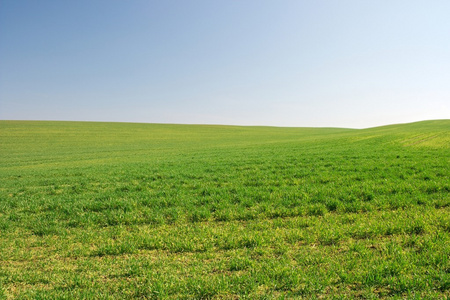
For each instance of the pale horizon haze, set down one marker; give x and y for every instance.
(349, 63)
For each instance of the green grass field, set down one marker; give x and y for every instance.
(116, 210)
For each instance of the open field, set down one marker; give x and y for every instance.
(115, 210)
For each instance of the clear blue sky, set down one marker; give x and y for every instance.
(254, 62)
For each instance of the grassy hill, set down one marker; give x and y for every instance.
(123, 210)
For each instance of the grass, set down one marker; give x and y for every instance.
(115, 210)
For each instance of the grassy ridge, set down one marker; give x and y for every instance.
(195, 211)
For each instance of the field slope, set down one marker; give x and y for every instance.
(118, 210)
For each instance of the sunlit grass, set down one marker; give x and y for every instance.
(114, 210)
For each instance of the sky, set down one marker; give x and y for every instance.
(346, 63)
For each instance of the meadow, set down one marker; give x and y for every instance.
(157, 211)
